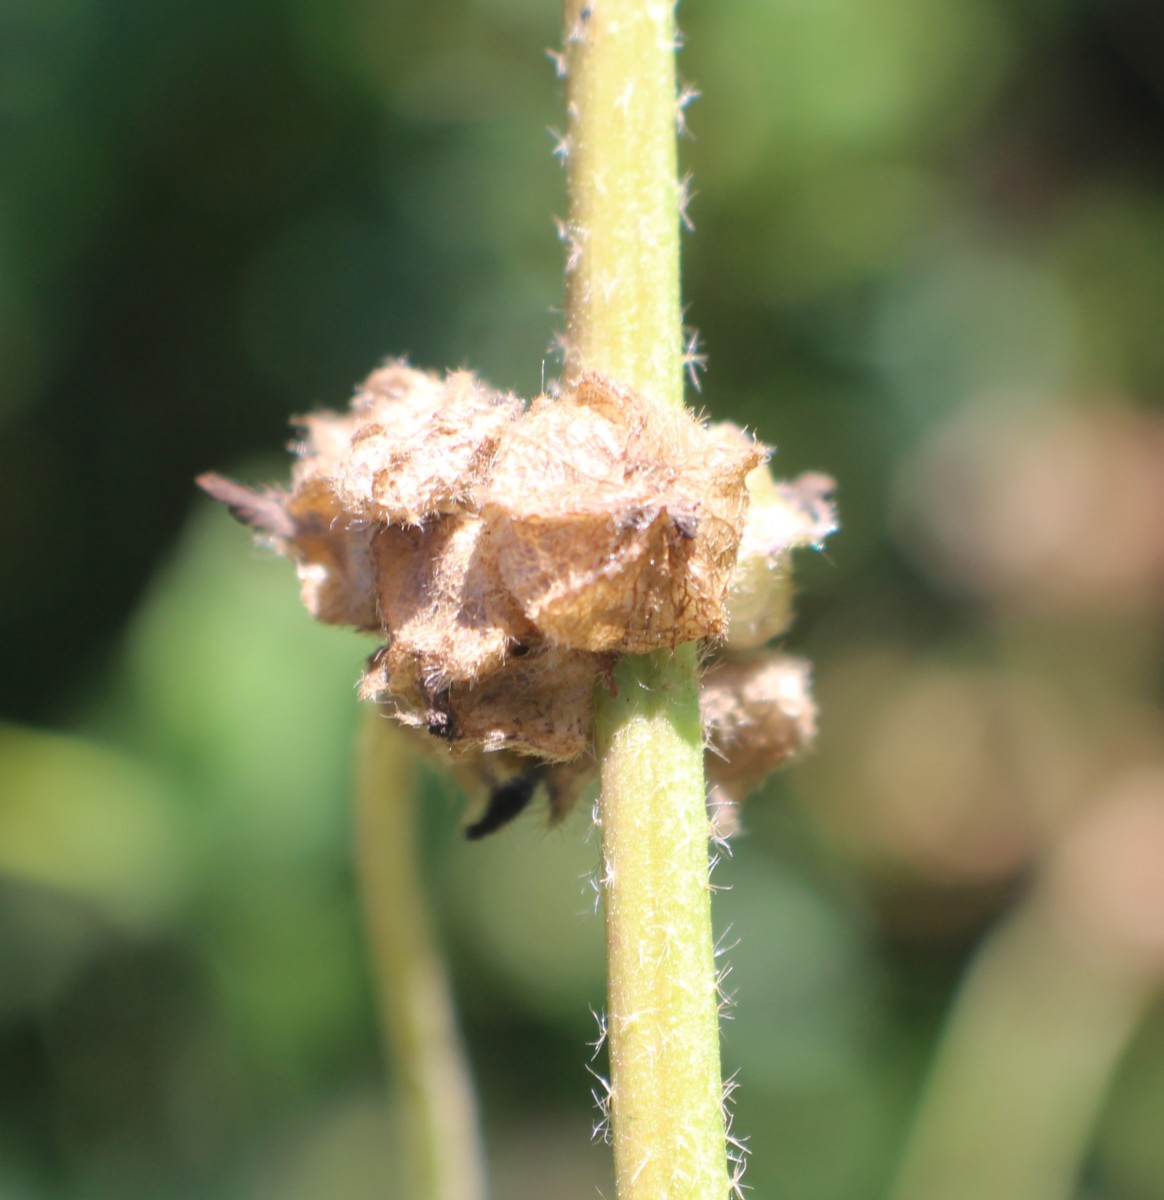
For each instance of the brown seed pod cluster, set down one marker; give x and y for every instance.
(507, 554)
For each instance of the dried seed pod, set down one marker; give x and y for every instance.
(538, 704)
(442, 603)
(782, 517)
(617, 523)
(413, 445)
(758, 712)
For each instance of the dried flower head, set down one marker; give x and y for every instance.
(507, 554)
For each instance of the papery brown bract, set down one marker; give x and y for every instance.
(618, 521)
(413, 445)
(758, 712)
(539, 704)
(443, 604)
(782, 517)
(334, 558)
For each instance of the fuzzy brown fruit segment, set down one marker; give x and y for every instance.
(618, 521)
(758, 712)
(507, 554)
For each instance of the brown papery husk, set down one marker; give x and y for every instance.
(617, 523)
(539, 704)
(412, 446)
(442, 602)
(758, 712)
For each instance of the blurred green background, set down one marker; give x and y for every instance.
(929, 260)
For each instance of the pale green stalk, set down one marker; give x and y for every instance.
(440, 1139)
(1026, 1058)
(623, 319)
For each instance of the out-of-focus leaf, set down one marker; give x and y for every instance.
(802, 973)
(254, 704)
(345, 1150)
(94, 823)
(523, 900)
(1107, 247)
(798, 82)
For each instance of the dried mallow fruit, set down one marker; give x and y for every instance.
(411, 447)
(758, 712)
(507, 554)
(617, 521)
(539, 704)
(441, 600)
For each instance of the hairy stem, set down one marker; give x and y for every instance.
(438, 1111)
(623, 318)
(622, 286)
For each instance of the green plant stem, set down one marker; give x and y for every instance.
(623, 319)
(666, 1102)
(1030, 1047)
(623, 313)
(438, 1111)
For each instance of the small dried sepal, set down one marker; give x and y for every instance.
(502, 783)
(782, 517)
(333, 554)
